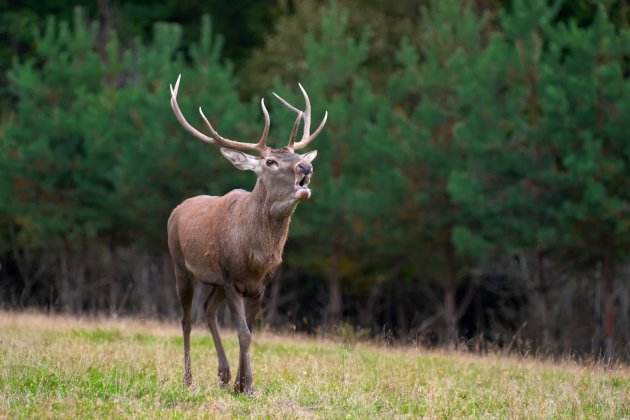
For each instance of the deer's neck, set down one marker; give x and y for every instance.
(268, 228)
(271, 217)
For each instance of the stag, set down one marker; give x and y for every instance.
(233, 243)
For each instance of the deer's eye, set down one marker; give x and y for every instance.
(271, 162)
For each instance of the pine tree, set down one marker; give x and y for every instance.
(96, 158)
(547, 169)
(428, 89)
(585, 99)
(350, 185)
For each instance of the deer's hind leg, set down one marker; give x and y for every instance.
(215, 298)
(185, 292)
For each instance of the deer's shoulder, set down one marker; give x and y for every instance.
(236, 194)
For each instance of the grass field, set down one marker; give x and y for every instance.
(70, 368)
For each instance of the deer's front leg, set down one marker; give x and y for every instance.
(244, 379)
(252, 307)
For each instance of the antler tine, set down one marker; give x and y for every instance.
(233, 144)
(216, 137)
(307, 113)
(305, 141)
(285, 103)
(307, 137)
(263, 137)
(294, 130)
(180, 117)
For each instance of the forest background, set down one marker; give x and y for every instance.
(472, 187)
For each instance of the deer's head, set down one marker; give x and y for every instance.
(284, 173)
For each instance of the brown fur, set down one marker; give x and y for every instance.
(233, 243)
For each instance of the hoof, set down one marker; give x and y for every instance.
(224, 377)
(244, 389)
(188, 381)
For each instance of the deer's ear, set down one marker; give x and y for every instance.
(241, 160)
(310, 156)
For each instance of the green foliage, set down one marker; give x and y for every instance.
(432, 92)
(132, 19)
(548, 162)
(457, 132)
(585, 98)
(345, 167)
(93, 149)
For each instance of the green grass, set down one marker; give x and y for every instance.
(69, 368)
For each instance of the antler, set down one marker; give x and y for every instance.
(307, 137)
(216, 138)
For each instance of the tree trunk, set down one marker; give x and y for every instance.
(113, 281)
(105, 27)
(402, 323)
(450, 315)
(367, 312)
(334, 307)
(539, 296)
(64, 276)
(536, 288)
(610, 311)
(450, 299)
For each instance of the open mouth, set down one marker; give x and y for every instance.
(303, 181)
(302, 192)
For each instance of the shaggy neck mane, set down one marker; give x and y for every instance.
(262, 210)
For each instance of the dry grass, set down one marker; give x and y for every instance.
(69, 367)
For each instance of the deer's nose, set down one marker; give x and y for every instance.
(305, 168)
